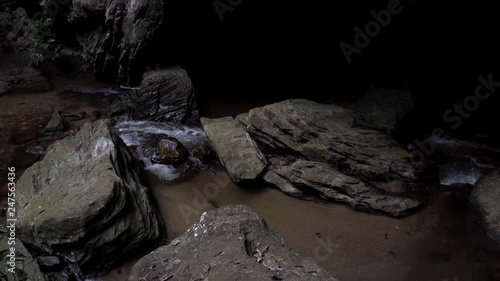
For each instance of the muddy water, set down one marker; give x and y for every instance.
(445, 241)
(442, 242)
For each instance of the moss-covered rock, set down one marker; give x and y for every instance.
(485, 197)
(85, 201)
(236, 150)
(331, 134)
(230, 243)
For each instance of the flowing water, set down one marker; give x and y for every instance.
(444, 241)
(466, 161)
(142, 134)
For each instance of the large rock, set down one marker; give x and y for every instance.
(56, 123)
(321, 149)
(115, 36)
(25, 267)
(16, 37)
(331, 134)
(236, 150)
(85, 201)
(485, 197)
(164, 96)
(231, 243)
(304, 176)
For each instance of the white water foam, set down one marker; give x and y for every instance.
(141, 134)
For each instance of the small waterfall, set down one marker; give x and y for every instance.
(466, 160)
(142, 134)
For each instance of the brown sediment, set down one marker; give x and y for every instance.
(442, 242)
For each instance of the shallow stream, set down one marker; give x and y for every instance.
(444, 241)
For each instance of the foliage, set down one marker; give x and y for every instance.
(43, 44)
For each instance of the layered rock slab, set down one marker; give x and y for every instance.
(320, 178)
(485, 197)
(163, 96)
(85, 201)
(331, 134)
(230, 243)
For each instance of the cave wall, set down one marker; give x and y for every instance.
(246, 50)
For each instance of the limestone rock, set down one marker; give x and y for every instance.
(237, 151)
(230, 243)
(85, 201)
(485, 197)
(332, 185)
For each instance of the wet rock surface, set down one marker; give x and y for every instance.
(26, 266)
(115, 36)
(85, 202)
(384, 109)
(332, 185)
(171, 151)
(230, 243)
(204, 152)
(236, 150)
(56, 123)
(16, 76)
(163, 96)
(320, 148)
(485, 197)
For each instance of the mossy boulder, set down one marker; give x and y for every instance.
(230, 243)
(85, 201)
(236, 150)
